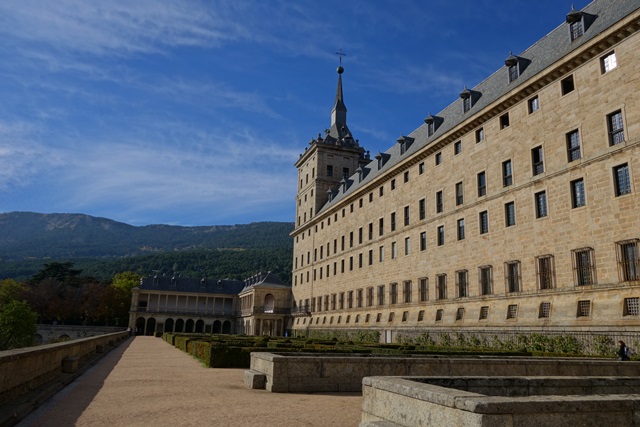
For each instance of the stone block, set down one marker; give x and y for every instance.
(254, 379)
(70, 364)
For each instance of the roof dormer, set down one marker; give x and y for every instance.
(405, 142)
(433, 123)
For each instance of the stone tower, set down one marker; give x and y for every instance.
(327, 161)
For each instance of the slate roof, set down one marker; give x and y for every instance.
(267, 280)
(600, 15)
(190, 285)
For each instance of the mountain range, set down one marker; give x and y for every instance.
(29, 235)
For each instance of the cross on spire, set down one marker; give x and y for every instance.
(341, 54)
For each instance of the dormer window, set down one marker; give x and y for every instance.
(512, 64)
(432, 124)
(575, 19)
(466, 100)
(405, 142)
(382, 159)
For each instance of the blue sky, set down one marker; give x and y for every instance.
(194, 112)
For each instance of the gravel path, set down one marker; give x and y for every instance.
(147, 382)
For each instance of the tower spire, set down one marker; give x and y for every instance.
(339, 112)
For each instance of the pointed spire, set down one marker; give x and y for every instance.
(339, 112)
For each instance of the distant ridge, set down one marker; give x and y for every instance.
(28, 235)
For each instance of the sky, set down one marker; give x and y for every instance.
(194, 112)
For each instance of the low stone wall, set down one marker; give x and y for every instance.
(309, 372)
(500, 401)
(22, 370)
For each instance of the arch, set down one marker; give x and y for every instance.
(199, 326)
(179, 326)
(168, 325)
(269, 303)
(217, 327)
(188, 326)
(64, 337)
(140, 324)
(151, 326)
(226, 327)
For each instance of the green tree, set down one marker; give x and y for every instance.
(17, 320)
(62, 272)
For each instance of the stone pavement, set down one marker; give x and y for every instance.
(147, 382)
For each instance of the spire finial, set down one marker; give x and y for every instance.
(340, 54)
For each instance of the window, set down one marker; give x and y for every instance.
(359, 298)
(504, 121)
(421, 168)
(628, 260)
(577, 193)
(439, 202)
(360, 260)
(484, 312)
(407, 245)
(370, 198)
(420, 315)
(608, 62)
(393, 221)
(479, 135)
(545, 271)
(541, 204)
(380, 191)
(423, 289)
(462, 284)
(459, 194)
(370, 296)
(457, 148)
(545, 310)
(631, 306)
(393, 250)
(482, 184)
(513, 72)
(486, 280)
(459, 313)
(329, 170)
(370, 256)
(360, 235)
(507, 173)
(534, 104)
(438, 158)
(381, 295)
(483, 222)
(510, 214)
(345, 173)
(406, 215)
(441, 235)
(512, 276)
(460, 228)
(393, 293)
(381, 226)
(351, 239)
(576, 29)
(537, 161)
(439, 313)
(567, 85)
(584, 308)
(441, 286)
(405, 316)
(512, 311)
(406, 291)
(621, 180)
(381, 253)
(370, 231)
(616, 128)
(423, 241)
(393, 184)
(573, 146)
(406, 176)
(422, 209)
(584, 271)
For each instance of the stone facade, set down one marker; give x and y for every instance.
(259, 305)
(515, 208)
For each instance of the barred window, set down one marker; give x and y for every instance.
(459, 194)
(512, 276)
(370, 296)
(441, 286)
(423, 287)
(534, 104)
(406, 291)
(507, 173)
(439, 313)
(483, 222)
(573, 146)
(461, 229)
(359, 298)
(484, 312)
(461, 283)
(577, 29)
(621, 180)
(578, 198)
(584, 308)
(510, 214)
(616, 128)
(422, 208)
(584, 271)
(631, 306)
(486, 280)
(608, 62)
(381, 295)
(440, 235)
(545, 271)
(545, 310)
(541, 204)
(512, 311)
(537, 161)
(439, 202)
(460, 313)
(628, 260)
(393, 293)
(482, 184)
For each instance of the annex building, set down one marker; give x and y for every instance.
(259, 305)
(515, 208)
